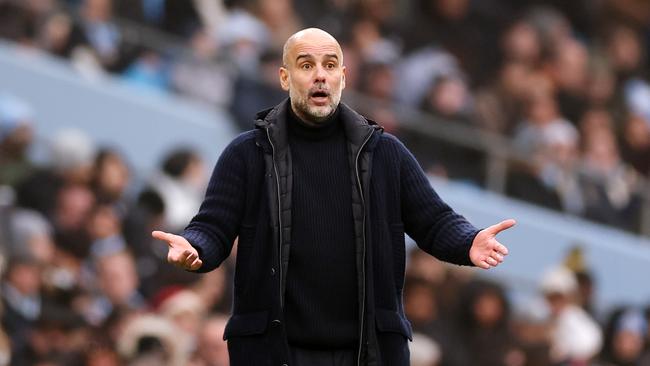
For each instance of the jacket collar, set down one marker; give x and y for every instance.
(274, 120)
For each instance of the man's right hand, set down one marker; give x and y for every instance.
(181, 252)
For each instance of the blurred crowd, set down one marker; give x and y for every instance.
(566, 82)
(83, 282)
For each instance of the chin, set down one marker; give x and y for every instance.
(320, 112)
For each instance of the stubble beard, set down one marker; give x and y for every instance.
(313, 114)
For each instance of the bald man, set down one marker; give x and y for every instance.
(320, 199)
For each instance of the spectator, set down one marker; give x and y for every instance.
(186, 310)
(500, 105)
(148, 72)
(609, 185)
(30, 235)
(116, 286)
(61, 35)
(424, 351)
(16, 136)
(212, 349)
(521, 44)
(625, 339)
(485, 326)
(422, 309)
(151, 340)
(569, 73)
(635, 145)
(201, 74)
(575, 336)
(104, 36)
(181, 185)
(22, 302)
(110, 177)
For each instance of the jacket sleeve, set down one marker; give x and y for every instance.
(214, 228)
(434, 226)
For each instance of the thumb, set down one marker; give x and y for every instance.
(161, 235)
(503, 225)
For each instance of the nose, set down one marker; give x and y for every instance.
(320, 74)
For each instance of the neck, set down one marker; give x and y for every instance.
(313, 131)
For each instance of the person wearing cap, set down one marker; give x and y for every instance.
(320, 199)
(575, 337)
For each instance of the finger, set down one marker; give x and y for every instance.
(501, 249)
(196, 264)
(503, 225)
(483, 264)
(491, 261)
(498, 257)
(190, 259)
(161, 235)
(181, 258)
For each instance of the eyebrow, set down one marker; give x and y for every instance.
(309, 56)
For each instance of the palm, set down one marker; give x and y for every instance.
(181, 253)
(486, 251)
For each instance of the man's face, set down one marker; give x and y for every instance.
(314, 75)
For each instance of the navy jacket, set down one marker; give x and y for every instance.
(249, 196)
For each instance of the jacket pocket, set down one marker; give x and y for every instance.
(392, 322)
(246, 324)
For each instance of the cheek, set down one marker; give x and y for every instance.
(298, 85)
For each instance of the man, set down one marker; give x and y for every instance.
(320, 199)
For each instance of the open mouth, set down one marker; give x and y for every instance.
(319, 97)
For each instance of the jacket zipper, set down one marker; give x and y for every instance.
(363, 251)
(277, 182)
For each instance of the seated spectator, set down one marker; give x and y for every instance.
(115, 287)
(211, 349)
(181, 185)
(484, 323)
(200, 74)
(22, 302)
(635, 145)
(151, 340)
(574, 336)
(111, 177)
(424, 351)
(626, 331)
(609, 185)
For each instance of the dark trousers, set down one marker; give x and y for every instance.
(310, 357)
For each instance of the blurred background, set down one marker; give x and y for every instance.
(112, 113)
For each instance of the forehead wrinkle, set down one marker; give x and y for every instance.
(314, 40)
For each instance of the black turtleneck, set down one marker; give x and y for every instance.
(321, 306)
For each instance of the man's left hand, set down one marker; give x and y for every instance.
(486, 252)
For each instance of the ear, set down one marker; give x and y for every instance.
(284, 78)
(343, 78)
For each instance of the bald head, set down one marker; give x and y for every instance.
(313, 74)
(311, 35)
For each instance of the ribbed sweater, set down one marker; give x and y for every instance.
(240, 203)
(321, 306)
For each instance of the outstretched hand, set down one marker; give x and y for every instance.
(486, 252)
(181, 253)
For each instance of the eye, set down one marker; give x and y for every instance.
(331, 65)
(305, 66)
